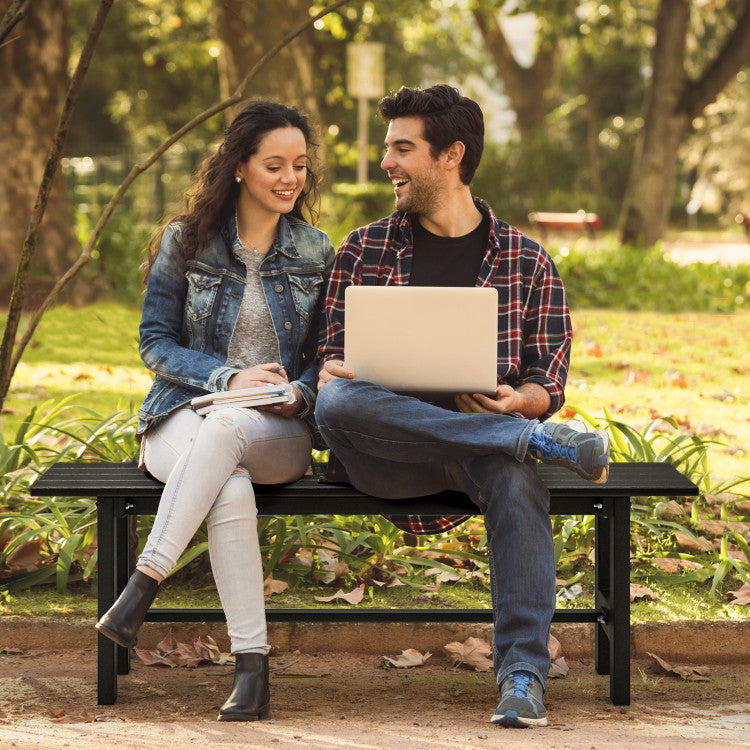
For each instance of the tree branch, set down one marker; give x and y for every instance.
(13, 16)
(138, 169)
(15, 307)
(734, 54)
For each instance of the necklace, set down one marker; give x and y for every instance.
(245, 243)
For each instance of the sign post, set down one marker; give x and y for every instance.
(365, 64)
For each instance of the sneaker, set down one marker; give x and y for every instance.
(571, 446)
(520, 702)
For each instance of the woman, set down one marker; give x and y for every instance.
(234, 291)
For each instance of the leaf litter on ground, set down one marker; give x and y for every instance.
(686, 672)
(353, 597)
(477, 653)
(172, 653)
(741, 596)
(408, 658)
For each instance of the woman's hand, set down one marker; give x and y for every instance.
(286, 410)
(252, 377)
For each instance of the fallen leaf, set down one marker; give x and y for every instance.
(171, 653)
(741, 596)
(673, 564)
(638, 592)
(689, 543)
(692, 674)
(473, 652)
(23, 559)
(713, 526)
(353, 597)
(675, 379)
(592, 349)
(571, 593)
(443, 576)
(555, 648)
(558, 668)
(334, 568)
(408, 658)
(636, 376)
(271, 586)
(707, 430)
(723, 396)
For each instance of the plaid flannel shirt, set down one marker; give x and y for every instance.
(534, 329)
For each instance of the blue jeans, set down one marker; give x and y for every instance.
(396, 446)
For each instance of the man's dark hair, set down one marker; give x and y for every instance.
(447, 117)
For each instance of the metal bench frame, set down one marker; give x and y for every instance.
(123, 491)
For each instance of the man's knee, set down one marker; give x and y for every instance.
(333, 404)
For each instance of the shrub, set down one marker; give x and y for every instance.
(632, 278)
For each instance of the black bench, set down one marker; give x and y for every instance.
(123, 491)
(578, 221)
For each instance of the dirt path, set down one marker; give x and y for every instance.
(48, 700)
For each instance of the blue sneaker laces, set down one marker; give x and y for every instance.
(548, 448)
(521, 682)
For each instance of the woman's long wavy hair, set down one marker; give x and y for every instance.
(211, 199)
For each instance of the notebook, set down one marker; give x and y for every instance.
(244, 398)
(423, 340)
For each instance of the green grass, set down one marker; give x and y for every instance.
(691, 366)
(91, 351)
(674, 602)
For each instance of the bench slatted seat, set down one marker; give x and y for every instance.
(580, 221)
(123, 491)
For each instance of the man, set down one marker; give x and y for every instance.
(397, 446)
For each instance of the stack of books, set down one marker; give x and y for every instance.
(244, 397)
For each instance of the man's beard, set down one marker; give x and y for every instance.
(422, 198)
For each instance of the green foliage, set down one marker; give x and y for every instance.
(52, 540)
(625, 277)
(534, 174)
(665, 529)
(118, 255)
(45, 540)
(350, 206)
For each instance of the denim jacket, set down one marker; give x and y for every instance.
(191, 308)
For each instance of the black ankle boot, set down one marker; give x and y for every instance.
(125, 617)
(250, 697)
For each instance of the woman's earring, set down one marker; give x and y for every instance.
(237, 178)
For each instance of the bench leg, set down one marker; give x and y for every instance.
(106, 649)
(122, 572)
(612, 549)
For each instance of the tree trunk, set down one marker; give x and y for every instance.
(533, 92)
(673, 102)
(33, 71)
(247, 30)
(665, 127)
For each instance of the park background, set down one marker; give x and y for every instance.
(639, 112)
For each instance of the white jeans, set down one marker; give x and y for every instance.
(207, 464)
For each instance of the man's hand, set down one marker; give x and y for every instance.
(506, 399)
(529, 399)
(252, 377)
(332, 369)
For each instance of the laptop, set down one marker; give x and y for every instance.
(420, 340)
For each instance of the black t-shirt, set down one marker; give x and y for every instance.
(448, 261)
